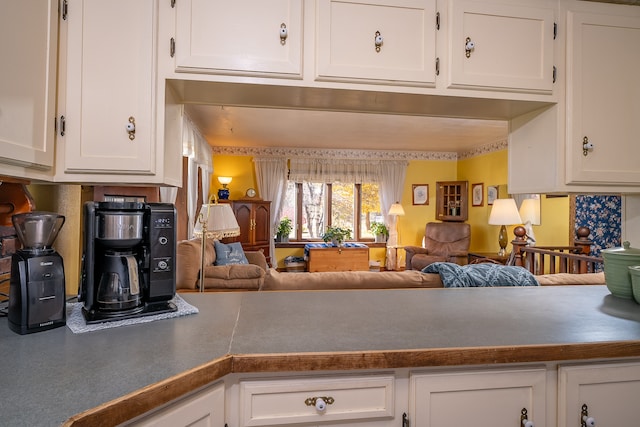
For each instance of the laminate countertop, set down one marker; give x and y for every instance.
(105, 377)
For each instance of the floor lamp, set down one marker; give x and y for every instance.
(395, 211)
(504, 212)
(216, 221)
(530, 215)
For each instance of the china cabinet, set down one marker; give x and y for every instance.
(254, 217)
(29, 34)
(239, 37)
(501, 46)
(452, 200)
(377, 41)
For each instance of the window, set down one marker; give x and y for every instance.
(313, 206)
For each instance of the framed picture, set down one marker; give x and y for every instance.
(477, 194)
(420, 194)
(492, 194)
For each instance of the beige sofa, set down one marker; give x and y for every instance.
(217, 277)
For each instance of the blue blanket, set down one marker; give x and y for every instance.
(481, 275)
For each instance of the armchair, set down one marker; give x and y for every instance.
(443, 242)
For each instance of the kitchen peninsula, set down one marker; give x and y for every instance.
(109, 376)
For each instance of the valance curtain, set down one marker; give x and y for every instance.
(200, 156)
(271, 175)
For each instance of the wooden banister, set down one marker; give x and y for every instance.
(559, 259)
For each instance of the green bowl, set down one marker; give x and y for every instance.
(634, 272)
(616, 269)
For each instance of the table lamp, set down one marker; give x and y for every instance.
(395, 211)
(216, 221)
(223, 193)
(530, 215)
(504, 212)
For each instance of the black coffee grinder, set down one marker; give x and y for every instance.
(37, 284)
(128, 262)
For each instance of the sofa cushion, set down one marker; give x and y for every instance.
(229, 253)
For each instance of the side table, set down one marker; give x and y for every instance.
(502, 259)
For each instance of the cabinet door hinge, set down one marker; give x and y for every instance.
(555, 30)
(63, 126)
(437, 66)
(172, 47)
(63, 9)
(437, 20)
(555, 73)
(173, 3)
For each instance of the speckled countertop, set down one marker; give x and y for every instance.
(50, 376)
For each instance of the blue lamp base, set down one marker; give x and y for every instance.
(223, 194)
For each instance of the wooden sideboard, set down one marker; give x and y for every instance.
(254, 217)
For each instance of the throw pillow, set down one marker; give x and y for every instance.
(229, 253)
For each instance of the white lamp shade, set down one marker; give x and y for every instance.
(396, 209)
(224, 180)
(530, 211)
(218, 220)
(504, 212)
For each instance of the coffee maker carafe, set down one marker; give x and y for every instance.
(128, 262)
(37, 283)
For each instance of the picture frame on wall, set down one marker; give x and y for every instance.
(420, 193)
(492, 194)
(477, 194)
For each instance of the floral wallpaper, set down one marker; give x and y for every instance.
(603, 215)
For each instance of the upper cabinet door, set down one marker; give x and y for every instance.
(110, 84)
(603, 98)
(501, 47)
(239, 37)
(28, 47)
(381, 41)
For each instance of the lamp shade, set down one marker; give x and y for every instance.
(396, 209)
(530, 211)
(504, 212)
(218, 222)
(224, 180)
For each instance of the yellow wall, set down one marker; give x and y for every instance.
(489, 169)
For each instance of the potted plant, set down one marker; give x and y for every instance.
(284, 229)
(380, 230)
(336, 235)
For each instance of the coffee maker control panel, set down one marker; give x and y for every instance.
(162, 238)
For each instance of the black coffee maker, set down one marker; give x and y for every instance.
(128, 262)
(37, 285)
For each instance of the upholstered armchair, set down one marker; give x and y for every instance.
(443, 242)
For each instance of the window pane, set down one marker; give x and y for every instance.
(343, 206)
(313, 209)
(370, 207)
(289, 207)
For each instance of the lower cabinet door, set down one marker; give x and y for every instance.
(340, 401)
(491, 398)
(608, 393)
(203, 409)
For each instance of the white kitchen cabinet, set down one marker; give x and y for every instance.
(347, 400)
(378, 41)
(603, 97)
(202, 409)
(487, 398)
(239, 37)
(111, 103)
(28, 47)
(608, 392)
(500, 46)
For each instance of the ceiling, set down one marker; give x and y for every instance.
(239, 126)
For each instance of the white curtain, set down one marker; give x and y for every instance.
(199, 153)
(392, 175)
(334, 170)
(271, 175)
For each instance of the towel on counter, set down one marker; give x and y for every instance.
(77, 324)
(481, 275)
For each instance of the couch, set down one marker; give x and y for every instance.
(217, 277)
(443, 242)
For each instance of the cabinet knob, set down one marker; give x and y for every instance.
(524, 419)
(283, 33)
(586, 146)
(587, 421)
(320, 403)
(131, 128)
(378, 40)
(469, 45)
